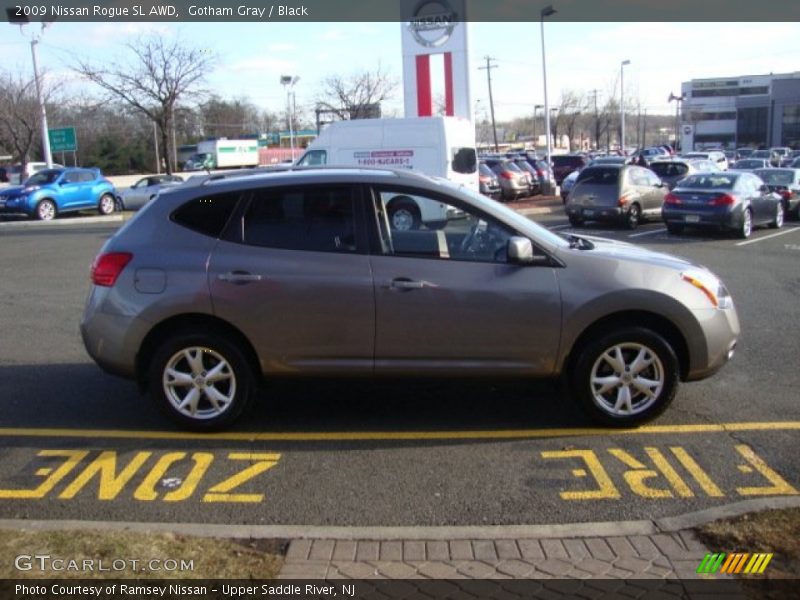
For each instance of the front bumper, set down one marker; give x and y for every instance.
(720, 329)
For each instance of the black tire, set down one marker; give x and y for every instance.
(633, 216)
(237, 379)
(746, 228)
(777, 222)
(597, 403)
(674, 228)
(575, 221)
(404, 214)
(45, 211)
(106, 205)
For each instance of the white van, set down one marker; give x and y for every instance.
(436, 146)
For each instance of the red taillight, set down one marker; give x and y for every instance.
(107, 267)
(539, 173)
(723, 200)
(672, 199)
(484, 179)
(623, 200)
(506, 175)
(786, 194)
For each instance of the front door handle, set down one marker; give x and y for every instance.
(409, 284)
(238, 277)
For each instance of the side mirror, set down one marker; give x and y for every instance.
(520, 252)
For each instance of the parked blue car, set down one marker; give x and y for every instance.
(50, 192)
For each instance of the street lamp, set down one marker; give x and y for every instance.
(535, 108)
(288, 82)
(547, 11)
(35, 38)
(678, 100)
(622, 104)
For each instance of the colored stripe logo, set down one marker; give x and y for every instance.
(735, 563)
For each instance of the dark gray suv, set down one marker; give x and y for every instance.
(224, 281)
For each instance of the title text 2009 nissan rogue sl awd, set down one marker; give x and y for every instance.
(227, 280)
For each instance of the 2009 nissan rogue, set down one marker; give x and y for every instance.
(223, 281)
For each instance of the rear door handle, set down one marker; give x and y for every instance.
(409, 284)
(238, 277)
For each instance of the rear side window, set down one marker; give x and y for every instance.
(312, 219)
(485, 170)
(599, 176)
(207, 215)
(568, 161)
(465, 160)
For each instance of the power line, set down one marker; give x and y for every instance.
(488, 68)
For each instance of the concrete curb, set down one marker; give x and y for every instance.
(115, 218)
(569, 530)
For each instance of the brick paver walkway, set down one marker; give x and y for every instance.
(659, 556)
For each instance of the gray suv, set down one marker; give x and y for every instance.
(227, 280)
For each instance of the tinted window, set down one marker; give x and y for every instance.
(567, 161)
(775, 176)
(485, 170)
(465, 160)
(669, 169)
(312, 219)
(599, 176)
(710, 181)
(208, 214)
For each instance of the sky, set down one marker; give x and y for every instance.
(251, 57)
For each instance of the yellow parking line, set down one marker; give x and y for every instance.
(315, 436)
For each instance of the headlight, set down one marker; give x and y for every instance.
(30, 188)
(711, 286)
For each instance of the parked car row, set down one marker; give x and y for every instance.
(48, 193)
(516, 174)
(684, 194)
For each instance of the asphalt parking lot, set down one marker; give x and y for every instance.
(79, 444)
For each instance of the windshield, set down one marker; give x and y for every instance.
(761, 154)
(710, 181)
(748, 164)
(199, 157)
(43, 177)
(599, 175)
(775, 176)
(485, 170)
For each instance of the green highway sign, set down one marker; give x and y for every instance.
(62, 139)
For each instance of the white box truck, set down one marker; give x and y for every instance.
(223, 154)
(436, 146)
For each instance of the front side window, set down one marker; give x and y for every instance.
(318, 219)
(423, 226)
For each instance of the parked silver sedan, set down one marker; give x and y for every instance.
(232, 280)
(144, 190)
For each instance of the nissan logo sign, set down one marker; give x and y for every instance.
(433, 22)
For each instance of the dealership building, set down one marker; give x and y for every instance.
(751, 110)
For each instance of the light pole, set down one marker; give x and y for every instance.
(678, 100)
(535, 108)
(622, 105)
(547, 11)
(48, 157)
(288, 82)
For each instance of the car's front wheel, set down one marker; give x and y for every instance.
(625, 377)
(45, 210)
(201, 380)
(107, 204)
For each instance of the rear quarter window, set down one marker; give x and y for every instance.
(208, 214)
(599, 176)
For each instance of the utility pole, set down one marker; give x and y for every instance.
(596, 119)
(488, 68)
(644, 128)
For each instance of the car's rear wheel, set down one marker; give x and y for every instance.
(674, 228)
(625, 377)
(45, 210)
(201, 380)
(746, 228)
(633, 217)
(575, 221)
(777, 222)
(106, 205)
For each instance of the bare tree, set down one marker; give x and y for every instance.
(20, 119)
(355, 96)
(162, 72)
(569, 109)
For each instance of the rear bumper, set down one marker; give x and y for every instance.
(596, 213)
(723, 219)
